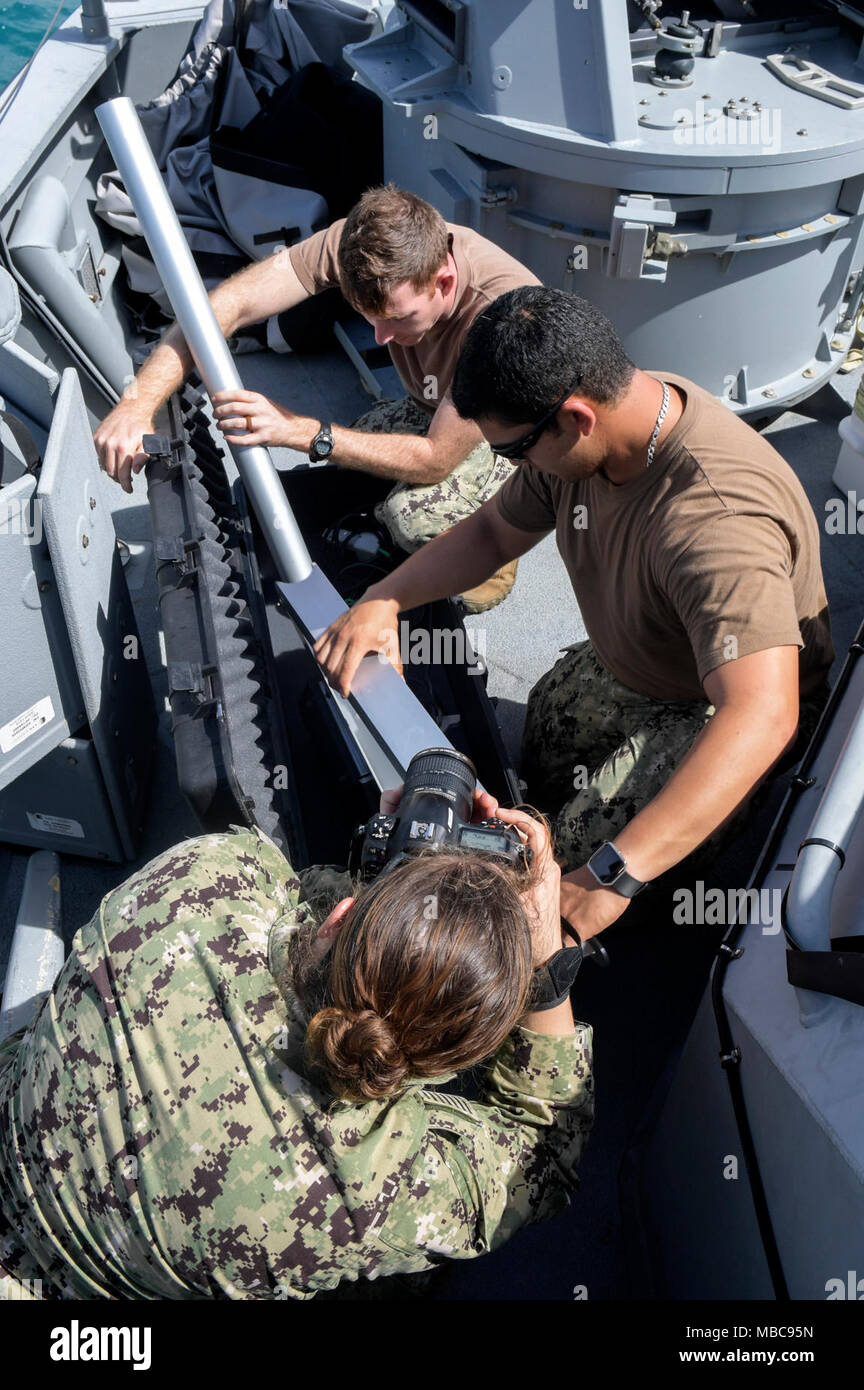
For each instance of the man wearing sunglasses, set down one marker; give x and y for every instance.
(694, 558)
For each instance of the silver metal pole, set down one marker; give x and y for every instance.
(393, 725)
(185, 290)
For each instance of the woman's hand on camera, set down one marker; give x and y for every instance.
(485, 805)
(543, 900)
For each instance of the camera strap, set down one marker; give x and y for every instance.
(553, 981)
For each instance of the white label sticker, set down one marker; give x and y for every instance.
(55, 825)
(23, 725)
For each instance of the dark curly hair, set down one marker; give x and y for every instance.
(528, 348)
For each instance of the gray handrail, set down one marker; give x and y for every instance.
(822, 854)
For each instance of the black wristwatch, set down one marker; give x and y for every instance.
(609, 866)
(322, 445)
(553, 981)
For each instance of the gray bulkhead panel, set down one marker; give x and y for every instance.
(100, 622)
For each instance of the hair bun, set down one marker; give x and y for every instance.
(358, 1052)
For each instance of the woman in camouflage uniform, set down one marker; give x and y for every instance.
(165, 1133)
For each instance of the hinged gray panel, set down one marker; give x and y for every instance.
(99, 617)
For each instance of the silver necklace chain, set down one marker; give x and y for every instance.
(660, 418)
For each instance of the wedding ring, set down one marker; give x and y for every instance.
(248, 424)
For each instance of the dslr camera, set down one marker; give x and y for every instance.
(434, 813)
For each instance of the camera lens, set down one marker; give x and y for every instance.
(445, 771)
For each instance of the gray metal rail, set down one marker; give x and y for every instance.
(821, 858)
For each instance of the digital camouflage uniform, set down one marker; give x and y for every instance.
(158, 1138)
(595, 752)
(413, 515)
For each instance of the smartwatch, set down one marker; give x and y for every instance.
(609, 867)
(552, 982)
(322, 445)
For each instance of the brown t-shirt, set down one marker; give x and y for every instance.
(483, 272)
(712, 553)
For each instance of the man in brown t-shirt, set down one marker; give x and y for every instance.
(694, 556)
(420, 282)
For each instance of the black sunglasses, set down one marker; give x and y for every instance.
(520, 446)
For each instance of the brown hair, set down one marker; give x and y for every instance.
(389, 237)
(430, 971)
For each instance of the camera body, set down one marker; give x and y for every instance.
(434, 813)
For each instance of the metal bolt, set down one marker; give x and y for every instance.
(114, 676)
(681, 119)
(94, 298)
(101, 270)
(801, 132)
(809, 371)
(769, 392)
(644, 101)
(44, 586)
(73, 762)
(85, 541)
(92, 504)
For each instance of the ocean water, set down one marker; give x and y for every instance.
(22, 24)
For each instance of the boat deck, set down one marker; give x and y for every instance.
(642, 1006)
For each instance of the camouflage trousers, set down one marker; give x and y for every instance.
(594, 752)
(412, 514)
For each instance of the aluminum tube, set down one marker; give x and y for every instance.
(185, 289)
(808, 906)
